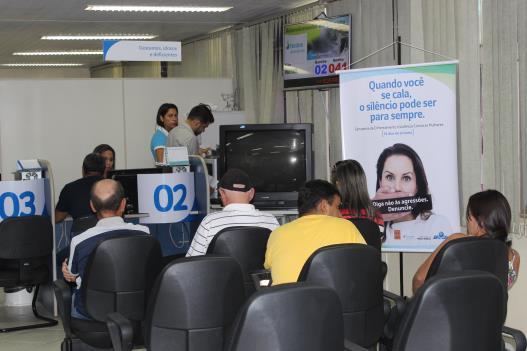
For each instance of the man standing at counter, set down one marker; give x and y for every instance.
(185, 134)
(74, 199)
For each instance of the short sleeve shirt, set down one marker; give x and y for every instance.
(158, 141)
(75, 197)
(183, 135)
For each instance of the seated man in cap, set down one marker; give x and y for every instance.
(236, 191)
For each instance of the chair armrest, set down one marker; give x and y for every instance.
(259, 276)
(398, 301)
(518, 336)
(394, 308)
(63, 296)
(121, 331)
(351, 346)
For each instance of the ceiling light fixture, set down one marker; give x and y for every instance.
(99, 37)
(149, 8)
(57, 53)
(42, 64)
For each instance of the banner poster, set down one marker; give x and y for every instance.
(399, 122)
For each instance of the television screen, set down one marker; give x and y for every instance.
(277, 158)
(315, 50)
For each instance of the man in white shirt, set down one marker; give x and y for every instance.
(236, 191)
(108, 202)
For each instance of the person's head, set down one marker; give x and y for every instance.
(318, 197)
(108, 153)
(167, 116)
(107, 198)
(93, 164)
(489, 213)
(199, 118)
(235, 187)
(350, 180)
(400, 169)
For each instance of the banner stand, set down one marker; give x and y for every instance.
(399, 45)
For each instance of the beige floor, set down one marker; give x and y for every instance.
(43, 339)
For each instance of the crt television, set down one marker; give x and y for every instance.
(277, 157)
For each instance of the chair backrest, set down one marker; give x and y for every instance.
(289, 317)
(247, 245)
(354, 271)
(457, 311)
(193, 301)
(119, 275)
(82, 224)
(472, 253)
(27, 245)
(26, 237)
(370, 231)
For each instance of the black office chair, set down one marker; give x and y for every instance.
(477, 253)
(457, 311)
(289, 317)
(247, 245)
(354, 271)
(118, 277)
(193, 301)
(370, 231)
(25, 259)
(472, 253)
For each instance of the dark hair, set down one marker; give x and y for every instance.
(492, 212)
(419, 170)
(93, 163)
(112, 202)
(350, 180)
(162, 111)
(202, 113)
(99, 149)
(314, 191)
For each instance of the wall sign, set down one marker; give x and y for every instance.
(166, 197)
(129, 50)
(22, 198)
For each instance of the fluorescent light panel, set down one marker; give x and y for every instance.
(42, 64)
(57, 53)
(99, 37)
(133, 8)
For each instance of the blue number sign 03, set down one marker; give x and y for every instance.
(22, 205)
(171, 193)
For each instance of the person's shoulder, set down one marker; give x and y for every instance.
(140, 227)
(456, 236)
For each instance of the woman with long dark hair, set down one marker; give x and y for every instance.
(349, 178)
(401, 174)
(488, 215)
(108, 153)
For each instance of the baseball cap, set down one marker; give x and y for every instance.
(236, 180)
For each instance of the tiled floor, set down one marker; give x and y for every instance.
(43, 339)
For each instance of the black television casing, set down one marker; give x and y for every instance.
(278, 199)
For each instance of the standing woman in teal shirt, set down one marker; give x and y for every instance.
(166, 119)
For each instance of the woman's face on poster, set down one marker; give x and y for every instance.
(398, 175)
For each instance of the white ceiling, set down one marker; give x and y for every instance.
(24, 22)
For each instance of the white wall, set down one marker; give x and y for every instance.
(63, 120)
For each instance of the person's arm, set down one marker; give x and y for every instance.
(60, 216)
(422, 271)
(160, 154)
(200, 242)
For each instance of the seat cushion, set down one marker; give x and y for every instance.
(9, 278)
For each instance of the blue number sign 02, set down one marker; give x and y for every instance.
(22, 205)
(171, 193)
